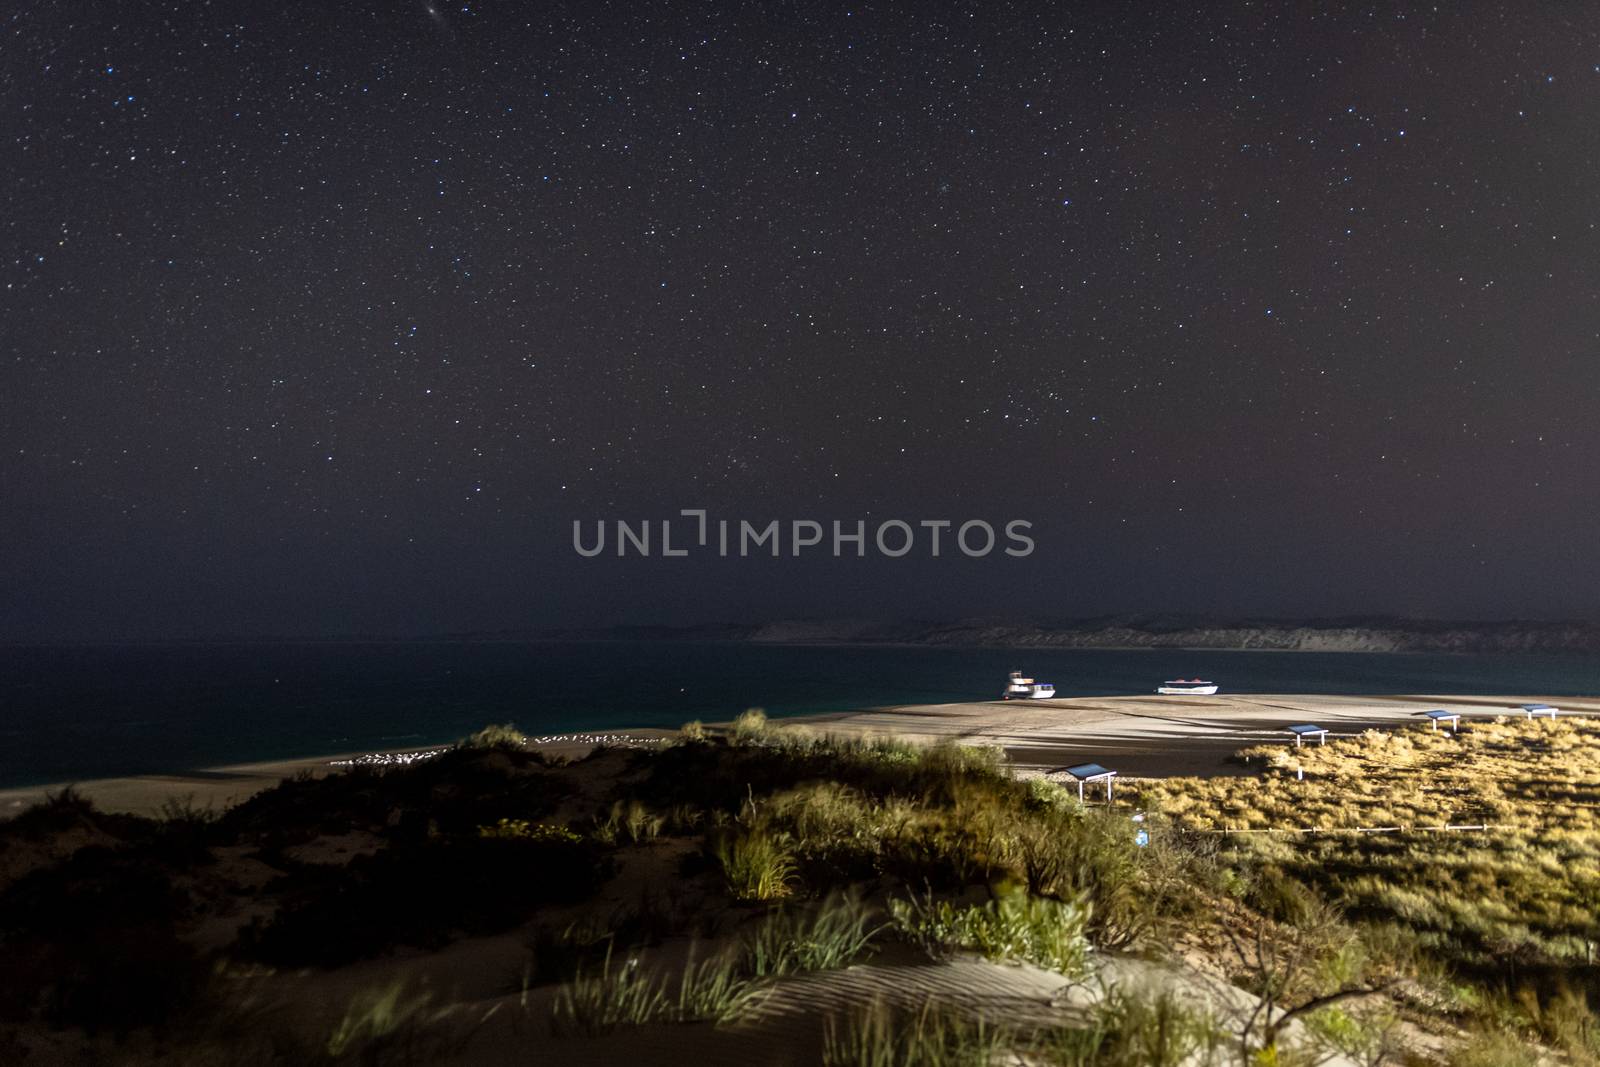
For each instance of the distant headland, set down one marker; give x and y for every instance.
(1346, 634)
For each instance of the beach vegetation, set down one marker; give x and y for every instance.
(1482, 845)
(878, 1035)
(495, 735)
(92, 941)
(628, 821)
(834, 933)
(1014, 927)
(1138, 1028)
(421, 895)
(627, 993)
(386, 1024)
(751, 728)
(523, 830)
(1322, 881)
(757, 863)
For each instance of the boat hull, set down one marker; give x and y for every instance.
(1187, 690)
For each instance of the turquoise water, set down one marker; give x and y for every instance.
(70, 714)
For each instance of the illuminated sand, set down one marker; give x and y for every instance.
(1139, 736)
(1157, 736)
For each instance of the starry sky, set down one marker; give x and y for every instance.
(330, 317)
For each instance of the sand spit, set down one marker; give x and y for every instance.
(1139, 736)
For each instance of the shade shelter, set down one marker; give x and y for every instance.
(1089, 773)
(1306, 731)
(1439, 715)
(1533, 711)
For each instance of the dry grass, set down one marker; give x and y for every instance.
(1512, 910)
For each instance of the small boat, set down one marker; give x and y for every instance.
(1195, 687)
(1020, 688)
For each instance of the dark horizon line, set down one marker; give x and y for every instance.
(738, 630)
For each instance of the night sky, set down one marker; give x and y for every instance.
(330, 318)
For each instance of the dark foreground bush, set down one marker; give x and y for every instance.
(92, 942)
(457, 791)
(422, 895)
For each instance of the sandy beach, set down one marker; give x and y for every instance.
(1138, 736)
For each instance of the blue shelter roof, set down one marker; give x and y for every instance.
(1307, 728)
(1089, 771)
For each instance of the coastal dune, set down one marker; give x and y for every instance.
(1138, 736)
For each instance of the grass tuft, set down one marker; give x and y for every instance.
(935, 1036)
(1014, 926)
(504, 735)
(626, 995)
(757, 864)
(834, 934)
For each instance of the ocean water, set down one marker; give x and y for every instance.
(71, 714)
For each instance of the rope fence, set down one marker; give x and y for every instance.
(1447, 828)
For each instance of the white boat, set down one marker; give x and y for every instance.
(1020, 688)
(1194, 687)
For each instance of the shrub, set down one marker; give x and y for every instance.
(523, 830)
(504, 735)
(423, 895)
(92, 942)
(1091, 855)
(630, 820)
(833, 934)
(751, 727)
(1014, 926)
(757, 864)
(1494, 1050)
(1045, 795)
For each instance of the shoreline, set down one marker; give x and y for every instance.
(744, 642)
(1139, 736)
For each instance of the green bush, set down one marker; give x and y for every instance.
(757, 864)
(1494, 1050)
(631, 821)
(1013, 926)
(504, 735)
(523, 830)
(751, 727)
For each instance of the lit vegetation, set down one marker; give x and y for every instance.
(935, 1036)
(1387, 827)
(627, 994)
(1014, 927)
(835, 933)
(788, 852)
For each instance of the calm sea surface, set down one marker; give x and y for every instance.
(78, 713)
